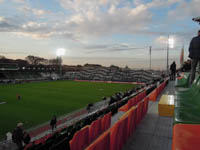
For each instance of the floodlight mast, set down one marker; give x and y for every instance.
(60, 65)
(170, 44)
(60, 52)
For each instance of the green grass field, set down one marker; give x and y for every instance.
(43, 99)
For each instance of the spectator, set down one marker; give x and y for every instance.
(104, 98)
(89, 106)
(112, 100)
(53, 122)
(9, 137)
(18, 97)
(194, 54)
(26, 138)
(17, 136)
(173, 71)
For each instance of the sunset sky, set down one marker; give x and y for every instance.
(104, 32)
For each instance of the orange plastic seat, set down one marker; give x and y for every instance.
(139, 112)
(186, 137)
(101, 143)
(106, 122)
(114, 137)
(153, 95)
(95, 130)
(80, 139)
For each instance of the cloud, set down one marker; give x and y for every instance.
(185, 9)
(82, 5)
(36, 35)
(29, 11)
(34, 26)
(161, 40)
(87, 18)
(1, 1)
(19, 1)
(7, 25)
(162, 3)
(116, 47)
(115, 20)
(91, 18)
(34, 29)
(2, 19)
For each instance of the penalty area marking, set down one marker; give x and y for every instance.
(1, 103)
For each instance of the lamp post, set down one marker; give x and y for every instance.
(60, 52)
(168, 55)
(170, 44)
(150, 57)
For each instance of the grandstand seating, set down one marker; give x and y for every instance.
(15, 74)
(187, 105)
(186, 137)
(115, 137)
(183, 80)
(186, 117)
(117, 74)
(12, 73)
(94, 132)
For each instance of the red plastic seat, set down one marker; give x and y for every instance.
(186, 137)
(101, 143)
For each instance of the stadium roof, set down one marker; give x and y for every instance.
(197, 19)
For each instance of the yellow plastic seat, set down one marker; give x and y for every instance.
(166, 106)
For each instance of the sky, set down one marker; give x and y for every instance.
(107, 32)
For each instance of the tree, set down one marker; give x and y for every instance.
(21, 62)
(31, 59)
(2, 57)
(54, 61)
(35, 60)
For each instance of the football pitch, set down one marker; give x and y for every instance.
(41, 100)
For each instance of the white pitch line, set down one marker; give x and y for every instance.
(2, 103)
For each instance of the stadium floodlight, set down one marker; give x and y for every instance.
(171, 43)
(60, 52)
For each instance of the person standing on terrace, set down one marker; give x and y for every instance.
(53, 123)
(17, 136)
(173, 71)
(194, 54)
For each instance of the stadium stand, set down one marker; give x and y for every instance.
(113, 74)
(94, 131)
(186, 114)
(96, 126)
(16, 73)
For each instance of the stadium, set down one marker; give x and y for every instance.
(37, 92)
(99, 75)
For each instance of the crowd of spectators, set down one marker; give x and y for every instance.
(114, 74)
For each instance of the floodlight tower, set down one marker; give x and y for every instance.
(60, 52)
(170, 44)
